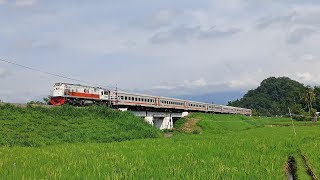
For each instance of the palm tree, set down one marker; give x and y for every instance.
(309, 97)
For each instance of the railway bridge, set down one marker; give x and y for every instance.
(161, 120)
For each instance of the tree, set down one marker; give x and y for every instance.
(309, 97)
(46, 100)
(273, 97)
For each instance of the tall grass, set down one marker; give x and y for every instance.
(39, 126)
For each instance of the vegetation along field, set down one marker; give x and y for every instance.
(74, 143)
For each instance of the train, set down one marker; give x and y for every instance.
(81, 95)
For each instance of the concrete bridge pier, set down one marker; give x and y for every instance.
(161, 120)
(149, 119)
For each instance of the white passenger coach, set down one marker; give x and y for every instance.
(79, 95)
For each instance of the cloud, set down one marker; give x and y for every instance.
(243, 83)
(298, 35)
(196, 83)
(268, 22)
(163, 18)
(3, 2)
(25, 2)
(163, 87)
(184, 34)
(306, 76)
(4, 73)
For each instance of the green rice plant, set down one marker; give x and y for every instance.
(230, 147)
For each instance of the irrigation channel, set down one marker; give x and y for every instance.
(291, 168)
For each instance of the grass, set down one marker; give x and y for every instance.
(39, 126)
(230, 147)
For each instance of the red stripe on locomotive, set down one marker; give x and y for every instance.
(84, 95)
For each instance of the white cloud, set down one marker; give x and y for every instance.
(163, 17)
(25, 2)
(184, 34)
(196, 83)
(306, 76)
(308, 57)
(3, 2)
(243, 83)
(4, 73)
(163, 87)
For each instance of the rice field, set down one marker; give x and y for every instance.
(228, 147)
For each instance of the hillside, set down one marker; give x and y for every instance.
(275, 95)
(39, 126)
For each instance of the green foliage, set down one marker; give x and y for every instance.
(230, 147)
(275, 95)
(179, 123)
(40, 126)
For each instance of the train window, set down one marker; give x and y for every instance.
(122, 98)
(125, 98)
(136, 99)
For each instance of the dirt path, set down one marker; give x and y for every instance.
(191, 126)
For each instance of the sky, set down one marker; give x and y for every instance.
(163, 47)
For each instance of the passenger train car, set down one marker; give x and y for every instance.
(79, 95)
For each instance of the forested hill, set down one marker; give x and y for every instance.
(275, 95)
